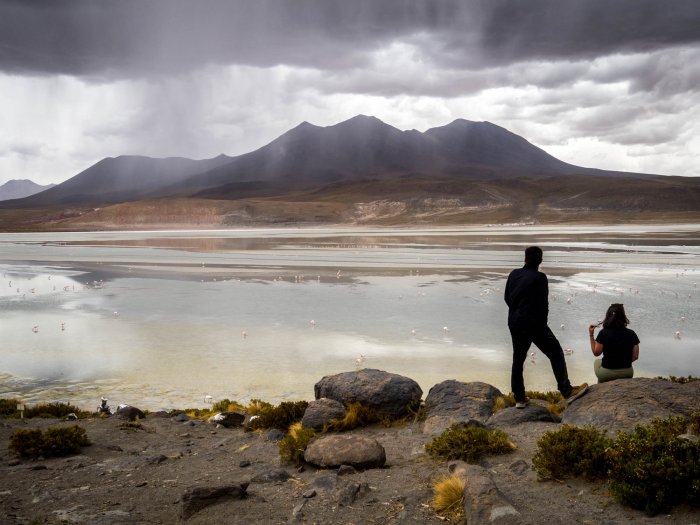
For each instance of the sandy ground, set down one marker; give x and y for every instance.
(137, 475)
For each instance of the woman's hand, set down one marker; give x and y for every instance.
(596, 347)
(591, 329)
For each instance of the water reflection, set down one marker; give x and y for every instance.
(157, 318)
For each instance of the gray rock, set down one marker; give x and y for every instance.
(453, 401)
(130, 413)
(322, 411)
(156, 460)
(195, 499)
(245, 463)
(325, 483)
(345, 470)
(519, 467)
(516, 416)
(483, 502)
(228, 419)
(345, 449)
(271, 476)
(622, 404)
(181, 417)
(297, 513)
(350, 492)
(160, 414)
(275, 435)
(388, 393)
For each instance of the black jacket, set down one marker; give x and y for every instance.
(526, 296)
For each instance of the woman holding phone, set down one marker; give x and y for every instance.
(618, 344)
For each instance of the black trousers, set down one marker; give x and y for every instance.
(544, 339)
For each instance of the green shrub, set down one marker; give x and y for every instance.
(226, 405)
(280, 416)
(51, 410)
(571, 451)
(258, 406)
(51, 443)
(682, 380)
(8, 407)
(469, 443)
(695, 423)
(294, 443)
(652, 469)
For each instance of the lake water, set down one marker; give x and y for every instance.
(162, 319)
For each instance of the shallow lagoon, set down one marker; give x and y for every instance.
(161, 319)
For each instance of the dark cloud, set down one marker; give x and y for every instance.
(114, 38)
(549, 29)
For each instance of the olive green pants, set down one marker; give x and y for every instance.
(610, 374)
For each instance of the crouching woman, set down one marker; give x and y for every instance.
(618, 344)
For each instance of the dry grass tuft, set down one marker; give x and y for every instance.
(448, 499)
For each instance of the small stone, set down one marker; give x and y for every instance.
(156, 460)
(275, 435)
(181, 417)
(141, 484)
(329, 482)
(297, 513)
(38, 467)
(519, 467)
(271, 476)
(13, 462)
(228, 419)
(245, 463)
(344, 470)
(196, 498)
(309, 494)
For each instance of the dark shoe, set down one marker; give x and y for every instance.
(577, 392)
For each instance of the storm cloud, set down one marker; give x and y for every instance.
(610, 83)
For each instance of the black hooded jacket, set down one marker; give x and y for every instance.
(526, 295)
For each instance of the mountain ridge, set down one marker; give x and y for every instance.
(20, 188)
(461, 166)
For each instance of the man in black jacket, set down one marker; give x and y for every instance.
(526, 295)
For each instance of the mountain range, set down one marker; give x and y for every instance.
(361, 170)
(17, 189)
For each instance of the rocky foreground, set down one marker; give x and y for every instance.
(169, 469)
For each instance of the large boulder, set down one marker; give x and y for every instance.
(622, 404)
(455, 402)
(345, 449)
(129, 412)
(322, 411)
(390, 394)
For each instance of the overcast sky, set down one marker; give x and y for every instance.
(599, 83)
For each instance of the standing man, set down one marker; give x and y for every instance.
(526, 295)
